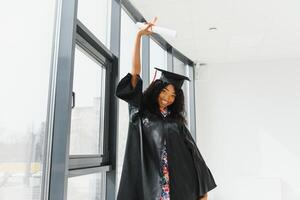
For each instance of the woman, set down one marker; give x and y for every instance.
(162, 161)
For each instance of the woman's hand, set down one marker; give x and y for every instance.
(147, 30)
(204, 197)
(136, 61)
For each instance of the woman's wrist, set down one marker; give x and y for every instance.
(139, 34)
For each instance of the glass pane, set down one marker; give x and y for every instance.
(24, 82)
(191, 116)
(87, 115)
(179, 67)
(95, 15)
(128, 34)
(87, 187)
(158, 58)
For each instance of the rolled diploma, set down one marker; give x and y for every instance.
(159, 30)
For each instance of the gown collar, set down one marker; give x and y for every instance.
(165, 113)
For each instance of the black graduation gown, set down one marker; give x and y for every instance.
(190, 178)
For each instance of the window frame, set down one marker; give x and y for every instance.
(59, 165)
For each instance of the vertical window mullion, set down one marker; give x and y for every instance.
(170, 61)
(63, 60)
(192, 101)
(115, 29)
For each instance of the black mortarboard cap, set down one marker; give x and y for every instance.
(172, 78)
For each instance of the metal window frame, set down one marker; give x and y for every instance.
(80, 165)
(114, 78)
(84, 161)
(59, 107)
(182, 57)
(88, 170)
(192, 105)
(193, 102)
(59, 165)
(92, 45)
(170, 60)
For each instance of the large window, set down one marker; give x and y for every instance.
(95, 15)
(158, 58)
(87, 187)
(89, 159)
(88, 106)
(26, 48)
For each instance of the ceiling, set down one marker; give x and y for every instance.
(246, 30)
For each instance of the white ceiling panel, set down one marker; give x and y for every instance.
(246, 30)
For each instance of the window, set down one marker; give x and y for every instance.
(88, 109)
(89, 159)
(158, 58)
(95, 15)
(88, 187)
(179, 67)
(24, 85)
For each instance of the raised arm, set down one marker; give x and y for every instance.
(136, 60)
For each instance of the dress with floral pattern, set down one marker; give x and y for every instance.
(164, 181)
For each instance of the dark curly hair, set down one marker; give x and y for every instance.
(150, 101)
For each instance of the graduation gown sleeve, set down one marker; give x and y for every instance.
(130, 187)
(204, 176)
(126, 92)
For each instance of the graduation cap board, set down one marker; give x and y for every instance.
(172, 78)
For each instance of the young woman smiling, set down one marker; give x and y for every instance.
(162, 161)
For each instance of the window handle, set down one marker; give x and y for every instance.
(73, 99)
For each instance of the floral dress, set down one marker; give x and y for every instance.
(164, 182)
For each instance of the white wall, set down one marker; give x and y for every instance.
(248, 128)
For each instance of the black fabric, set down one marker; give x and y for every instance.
(172, 78)
(190, 178)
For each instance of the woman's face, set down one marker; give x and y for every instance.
(166, 97)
